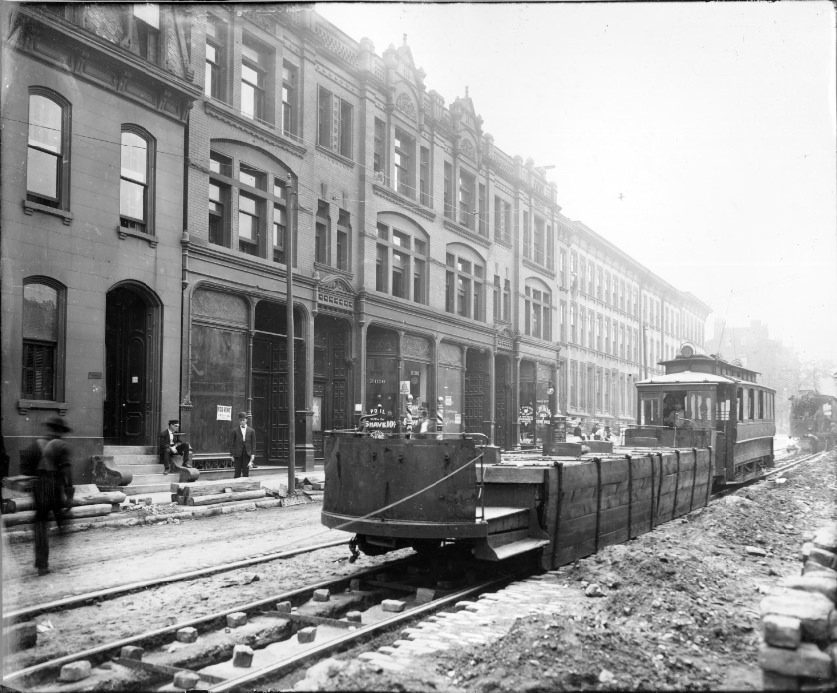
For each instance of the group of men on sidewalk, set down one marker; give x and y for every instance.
(242, 446)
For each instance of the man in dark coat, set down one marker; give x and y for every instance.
(169, 445)
(49, 460)
(242, 446)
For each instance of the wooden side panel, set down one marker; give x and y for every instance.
(597, 502)
(667, 487)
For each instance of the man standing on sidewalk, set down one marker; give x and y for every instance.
(242, 447)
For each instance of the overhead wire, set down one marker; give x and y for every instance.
(182, 157)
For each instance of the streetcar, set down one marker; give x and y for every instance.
(702, 401)
(813, 420)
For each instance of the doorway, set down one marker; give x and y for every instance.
(271, 380)
(331, 379)
(131, 366)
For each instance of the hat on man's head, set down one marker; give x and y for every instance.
(242, 415)
(56, 423)
(173, 421)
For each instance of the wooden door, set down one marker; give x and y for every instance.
(127, 403)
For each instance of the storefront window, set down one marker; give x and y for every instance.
(449, 400)
(381, 386)
(219, 376)
(417, 375)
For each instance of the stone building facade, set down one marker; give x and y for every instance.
(427, 266)
(95, 104)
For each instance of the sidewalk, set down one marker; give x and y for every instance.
(158, 508)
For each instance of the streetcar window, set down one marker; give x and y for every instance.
(650, 410)
(722, 412)
(761, 404)
(670, 401)
(751, 402)
(740, 404)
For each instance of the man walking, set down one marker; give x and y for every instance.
(50, 462)
(169, 446)
(242, 446)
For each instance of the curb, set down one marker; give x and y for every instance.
(187, 513)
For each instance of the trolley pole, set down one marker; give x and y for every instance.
(289, 274)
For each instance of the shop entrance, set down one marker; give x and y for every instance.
(477, 389)
(331, 379)
(502, 403)
(271, 413)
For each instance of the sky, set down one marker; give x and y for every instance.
(697, 137)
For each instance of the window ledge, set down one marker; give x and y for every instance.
(328, 270)
(29, 207)
(24, 405)
(397, 198)
(336, 156)
(531, 264)
(123, 232)
(465, 232)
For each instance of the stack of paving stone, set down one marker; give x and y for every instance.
(799, 626)
(88, 501)
(213, 492)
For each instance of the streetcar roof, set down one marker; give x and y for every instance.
(688, 377)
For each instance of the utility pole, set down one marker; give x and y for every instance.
(289, 305)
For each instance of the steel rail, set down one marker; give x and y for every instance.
(357, 636)
(75, 600)
(793, 464)
(99, 652)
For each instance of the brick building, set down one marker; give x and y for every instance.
(425, 260)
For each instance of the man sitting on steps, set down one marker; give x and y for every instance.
(169, 446)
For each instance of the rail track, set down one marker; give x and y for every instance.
(287, 629)
(766, 474)
(121, 590)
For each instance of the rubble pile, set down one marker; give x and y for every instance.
(799, 626)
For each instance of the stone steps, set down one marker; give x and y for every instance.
(144, 464)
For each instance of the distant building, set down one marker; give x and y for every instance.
(618, 321)
(779, 365)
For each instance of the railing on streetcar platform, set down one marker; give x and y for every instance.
(670, 436)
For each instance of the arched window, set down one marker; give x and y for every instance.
(136, 191)
(43, 337)
(48, 152)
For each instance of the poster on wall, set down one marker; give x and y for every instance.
(224, 413)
